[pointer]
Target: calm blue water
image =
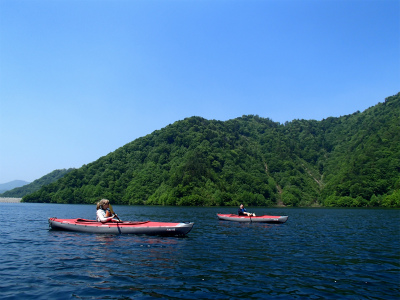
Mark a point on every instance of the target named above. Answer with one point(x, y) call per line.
point(316, 254)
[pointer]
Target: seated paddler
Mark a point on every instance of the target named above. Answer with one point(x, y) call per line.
point(243, 212)
point(103, 213)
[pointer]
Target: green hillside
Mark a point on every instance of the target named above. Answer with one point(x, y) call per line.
point(34, 186)
point(352, 160)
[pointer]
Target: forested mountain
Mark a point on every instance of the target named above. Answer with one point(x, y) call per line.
point(34, 186)
point(352, 160)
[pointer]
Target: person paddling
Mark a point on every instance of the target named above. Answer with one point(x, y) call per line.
point(243, 212)
point(103, 213)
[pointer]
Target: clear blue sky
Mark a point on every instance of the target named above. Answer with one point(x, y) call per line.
point(81, 78)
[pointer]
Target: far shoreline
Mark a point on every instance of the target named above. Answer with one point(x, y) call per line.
point(10, 200)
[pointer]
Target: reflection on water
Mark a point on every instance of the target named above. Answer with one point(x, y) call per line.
point(317, 254)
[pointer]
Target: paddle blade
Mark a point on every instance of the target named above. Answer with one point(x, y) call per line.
point(111, 209)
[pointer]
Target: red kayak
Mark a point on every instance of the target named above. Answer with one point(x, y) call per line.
point(146, 227)
point(257, 219)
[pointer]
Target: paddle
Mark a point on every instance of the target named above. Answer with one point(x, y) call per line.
point(112, 211)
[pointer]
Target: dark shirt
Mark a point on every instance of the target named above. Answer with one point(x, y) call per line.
point(241, 211)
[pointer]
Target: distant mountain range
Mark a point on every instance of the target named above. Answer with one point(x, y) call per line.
point(11, 185)
point(20, 188)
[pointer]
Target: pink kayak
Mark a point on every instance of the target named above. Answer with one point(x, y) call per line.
point(259, 219)
point(146, 227)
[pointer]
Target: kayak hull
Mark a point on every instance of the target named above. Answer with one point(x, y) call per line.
point(258, 219)
point(146, 227)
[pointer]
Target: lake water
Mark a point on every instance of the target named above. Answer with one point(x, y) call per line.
point(317, 254)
